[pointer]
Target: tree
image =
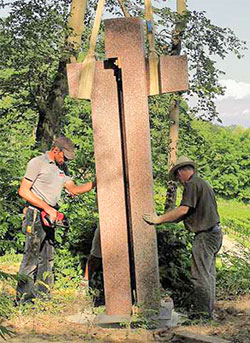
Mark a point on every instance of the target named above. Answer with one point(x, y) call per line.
point(34, 46)
point(34, 58)
point(35, 106)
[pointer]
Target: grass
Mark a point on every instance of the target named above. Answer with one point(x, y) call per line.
point(235, 220)
point(11, 257)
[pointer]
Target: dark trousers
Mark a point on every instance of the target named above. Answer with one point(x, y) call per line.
point(203, 270)
point(36, 276)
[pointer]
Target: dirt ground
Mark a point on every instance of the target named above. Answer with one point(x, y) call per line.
point(41, 325)
point(232, 323)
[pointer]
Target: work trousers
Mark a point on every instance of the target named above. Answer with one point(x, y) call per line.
point(36, 276)
point(203, 270)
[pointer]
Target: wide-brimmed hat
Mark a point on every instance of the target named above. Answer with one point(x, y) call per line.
point(67, 147)
point(181, 162)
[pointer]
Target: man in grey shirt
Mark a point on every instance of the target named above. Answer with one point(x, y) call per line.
point(41, 187)
point(198, 210)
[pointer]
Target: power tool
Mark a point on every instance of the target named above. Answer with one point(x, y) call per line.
point(61, 220)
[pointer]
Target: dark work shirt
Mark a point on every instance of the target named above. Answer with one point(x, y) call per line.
point(199, 196)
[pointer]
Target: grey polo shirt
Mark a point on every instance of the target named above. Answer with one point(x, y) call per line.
point(47, 179)
point(199, 196)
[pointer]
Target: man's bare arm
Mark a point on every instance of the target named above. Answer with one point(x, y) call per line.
point(74, 189)
point(168, 217)
point(25, 193)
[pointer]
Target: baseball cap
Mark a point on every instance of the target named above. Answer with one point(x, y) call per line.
point(67, 147)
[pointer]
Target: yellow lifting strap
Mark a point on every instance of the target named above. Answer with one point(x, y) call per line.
point(153, 59)
point(124, 10)
point(88, 65)
point(75, 23)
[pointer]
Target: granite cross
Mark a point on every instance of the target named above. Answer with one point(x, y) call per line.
point(123, 162)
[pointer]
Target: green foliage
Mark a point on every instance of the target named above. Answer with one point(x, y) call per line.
point(17, 147)
point(32, 40)
point(6, 305)
point(6, 276)
point(233, 276)
point(235, 220)
point(233, 208)
point(201, 40)
point(67, 270)
point(174, 251)
point(222, 157)
point(5, 332)
point(6, 302)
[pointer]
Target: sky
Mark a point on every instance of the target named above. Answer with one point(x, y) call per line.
point(234, 106)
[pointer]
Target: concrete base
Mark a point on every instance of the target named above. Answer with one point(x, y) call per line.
point(109, 321)
point(175, 320)
point(167, 318)
point(85, 317)
point(166, 309)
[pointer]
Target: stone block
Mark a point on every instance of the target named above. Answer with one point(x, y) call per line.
point(125, 39)
point(173, 74)
point(111, 197)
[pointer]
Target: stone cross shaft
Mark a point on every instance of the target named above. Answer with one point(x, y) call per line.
point(123, 162)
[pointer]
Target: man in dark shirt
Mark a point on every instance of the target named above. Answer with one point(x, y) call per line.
point(198, 210)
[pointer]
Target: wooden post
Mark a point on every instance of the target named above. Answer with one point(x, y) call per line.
point(181, 6)
point(173, 132)
point(174, 109)
point(124, 10)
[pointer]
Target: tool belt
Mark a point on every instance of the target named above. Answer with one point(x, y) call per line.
point(30, 215)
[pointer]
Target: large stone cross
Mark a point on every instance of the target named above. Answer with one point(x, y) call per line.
point(123, 162)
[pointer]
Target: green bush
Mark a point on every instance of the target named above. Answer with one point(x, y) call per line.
point(67, 270)
point(233, 275)
point(6, 305)
point(174, 249)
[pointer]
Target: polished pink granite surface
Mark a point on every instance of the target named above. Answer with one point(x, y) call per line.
point(111, 197)
point(124, 39)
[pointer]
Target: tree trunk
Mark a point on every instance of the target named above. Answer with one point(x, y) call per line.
point(52, 109)
point(174, 114)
